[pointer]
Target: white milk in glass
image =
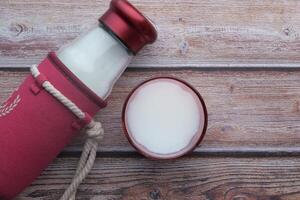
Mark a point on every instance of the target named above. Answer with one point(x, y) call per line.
point(97, 59)
point(164, 116)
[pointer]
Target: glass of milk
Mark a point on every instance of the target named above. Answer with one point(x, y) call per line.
point(164, 118)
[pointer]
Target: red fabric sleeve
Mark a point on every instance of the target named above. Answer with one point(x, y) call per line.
point(35, 127)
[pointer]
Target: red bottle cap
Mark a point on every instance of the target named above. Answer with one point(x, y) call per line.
point(129, 25)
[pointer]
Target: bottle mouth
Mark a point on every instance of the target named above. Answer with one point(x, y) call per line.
point(143, 146)
point(133, 28)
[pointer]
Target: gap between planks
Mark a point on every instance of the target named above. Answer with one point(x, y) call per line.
point(206, 68)
point(199, 152)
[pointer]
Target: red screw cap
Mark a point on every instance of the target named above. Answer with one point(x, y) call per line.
point(129, 25)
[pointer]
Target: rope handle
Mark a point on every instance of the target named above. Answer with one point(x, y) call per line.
point(94, 132)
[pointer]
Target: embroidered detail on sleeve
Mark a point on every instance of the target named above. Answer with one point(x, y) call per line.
point(9, 107)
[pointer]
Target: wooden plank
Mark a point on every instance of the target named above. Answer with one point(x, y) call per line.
point(182, 179)
point(249, 111)
point(222, 33)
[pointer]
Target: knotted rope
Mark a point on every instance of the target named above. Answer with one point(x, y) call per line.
point(94, 132)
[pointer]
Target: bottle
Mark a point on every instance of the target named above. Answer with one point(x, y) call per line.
point(99, 57)
point(34, 126)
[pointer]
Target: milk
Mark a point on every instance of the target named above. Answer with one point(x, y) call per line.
point(97, 59)
point(164, 116)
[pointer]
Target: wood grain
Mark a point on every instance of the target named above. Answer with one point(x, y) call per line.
point(249, 111)
point(253, 114)
point(183, 179)
point(222, 33)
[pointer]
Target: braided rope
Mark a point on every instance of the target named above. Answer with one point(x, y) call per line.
point(94, 131)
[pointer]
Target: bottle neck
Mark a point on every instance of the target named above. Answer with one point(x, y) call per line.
point(97, 58)
point(112, 34)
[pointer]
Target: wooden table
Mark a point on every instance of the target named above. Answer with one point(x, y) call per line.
point(242, 56)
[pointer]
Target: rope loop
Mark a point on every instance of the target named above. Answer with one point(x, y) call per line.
point(94, 132)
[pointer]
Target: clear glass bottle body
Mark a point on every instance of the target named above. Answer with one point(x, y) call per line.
point(97, 58)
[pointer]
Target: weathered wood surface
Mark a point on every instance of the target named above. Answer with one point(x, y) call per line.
point(182, 179)
point(249, 111)
point(252, 113)
point(222, 33)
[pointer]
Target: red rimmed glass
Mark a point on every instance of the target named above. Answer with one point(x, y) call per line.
point(195, 141)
